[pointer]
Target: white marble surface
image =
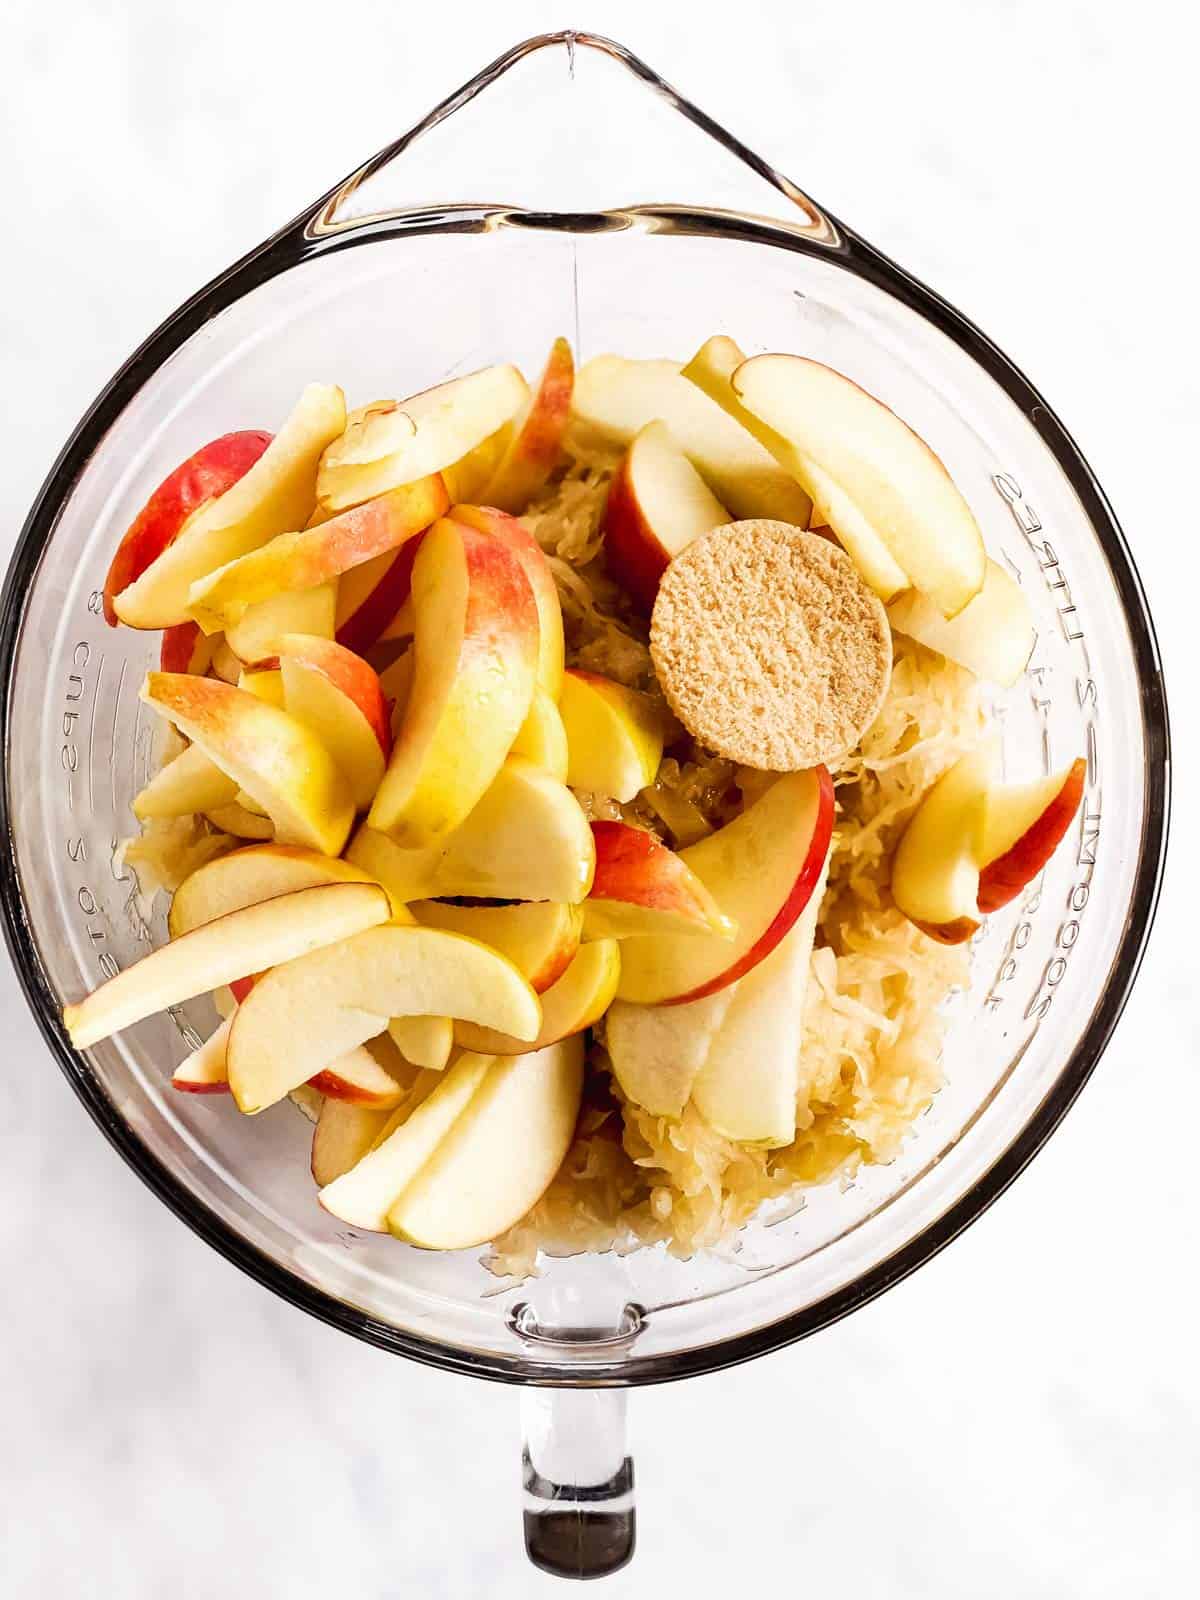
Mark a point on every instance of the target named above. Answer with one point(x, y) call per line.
point(1020, 1419)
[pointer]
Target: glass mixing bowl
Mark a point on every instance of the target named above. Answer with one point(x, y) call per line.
point(534, 202)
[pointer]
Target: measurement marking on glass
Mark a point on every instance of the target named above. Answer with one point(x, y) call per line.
point(112, 765)
point(91, 758)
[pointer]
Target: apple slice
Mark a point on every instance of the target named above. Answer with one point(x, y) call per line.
point(225, 949)
point(343, 1135)
point(1023, 825)
point(536, 444)
point(274, 495)
point(364, 1194)
point(746, 1088)
point(656, 1051)
point(240, 823)
point(614, 736)
point(264, 683)
point(225, 665)
point(336, 694)
point(302, 1015)
point(540, 939)
point(371, 595)
point(448, 422)
point(615, 398)
point(657, 505)
point(255, 635)
point(395, 682)
point(313, 556)
point(186, 648)
point(465, 480)
point(711, 369)
point(474, 660)
point(372, 432)
point(203, 477)
point(272, 756)
point(542, 738)
point(580, 997)
point(761, 869)
point(471, 1188)
point(205, 1071)
point(529, 553)
point(527, 839)
point(992, 636)
point(359, 1077)
point(191, 782)
point(885, 470)
point(935, 868)
point(425, 1041)
point(641, 888)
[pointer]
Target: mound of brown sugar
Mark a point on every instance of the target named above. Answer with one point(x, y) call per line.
point(769, 647)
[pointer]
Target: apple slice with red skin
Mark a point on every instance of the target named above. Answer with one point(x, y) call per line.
point(580, 997)
point(657, 505)
point(206, 1070)
point(475, 657)
point(186, 648)
point(536, 443)
point(337, 695)
point(274, 495)
point(518, 539)
point(312, 556)
point(1023, 826)
point(641, 887)
point(972, 845)
point(204, 476)
point(761, 869)
point(360, 1078)
point(370, 596)
point(279, 762)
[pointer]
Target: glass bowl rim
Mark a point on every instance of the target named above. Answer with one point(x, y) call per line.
point(291, 246)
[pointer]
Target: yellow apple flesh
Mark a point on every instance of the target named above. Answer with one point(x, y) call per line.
point(542, 738)
point(885, 470)
point(343, 1135)
point(500, 1154)
point(711, 369)
point(615, 398)
point(614, 736)
point(425, 1041)
point(539, 938)
point(365, 1194)
point(992, 636)
point(226, 949)
point(448, 422)
point(276, 494)
point(935, 868)
point(313, 556)
point(338, 696)
point(580, 997)
point(191, 782)
point(274, 758)
point(302, 1015)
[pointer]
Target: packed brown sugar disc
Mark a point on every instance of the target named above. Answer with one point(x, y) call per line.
point(769, 647)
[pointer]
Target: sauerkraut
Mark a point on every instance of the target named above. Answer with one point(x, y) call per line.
point(875, 1004)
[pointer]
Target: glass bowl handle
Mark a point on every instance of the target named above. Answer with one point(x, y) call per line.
point(579, 1513)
